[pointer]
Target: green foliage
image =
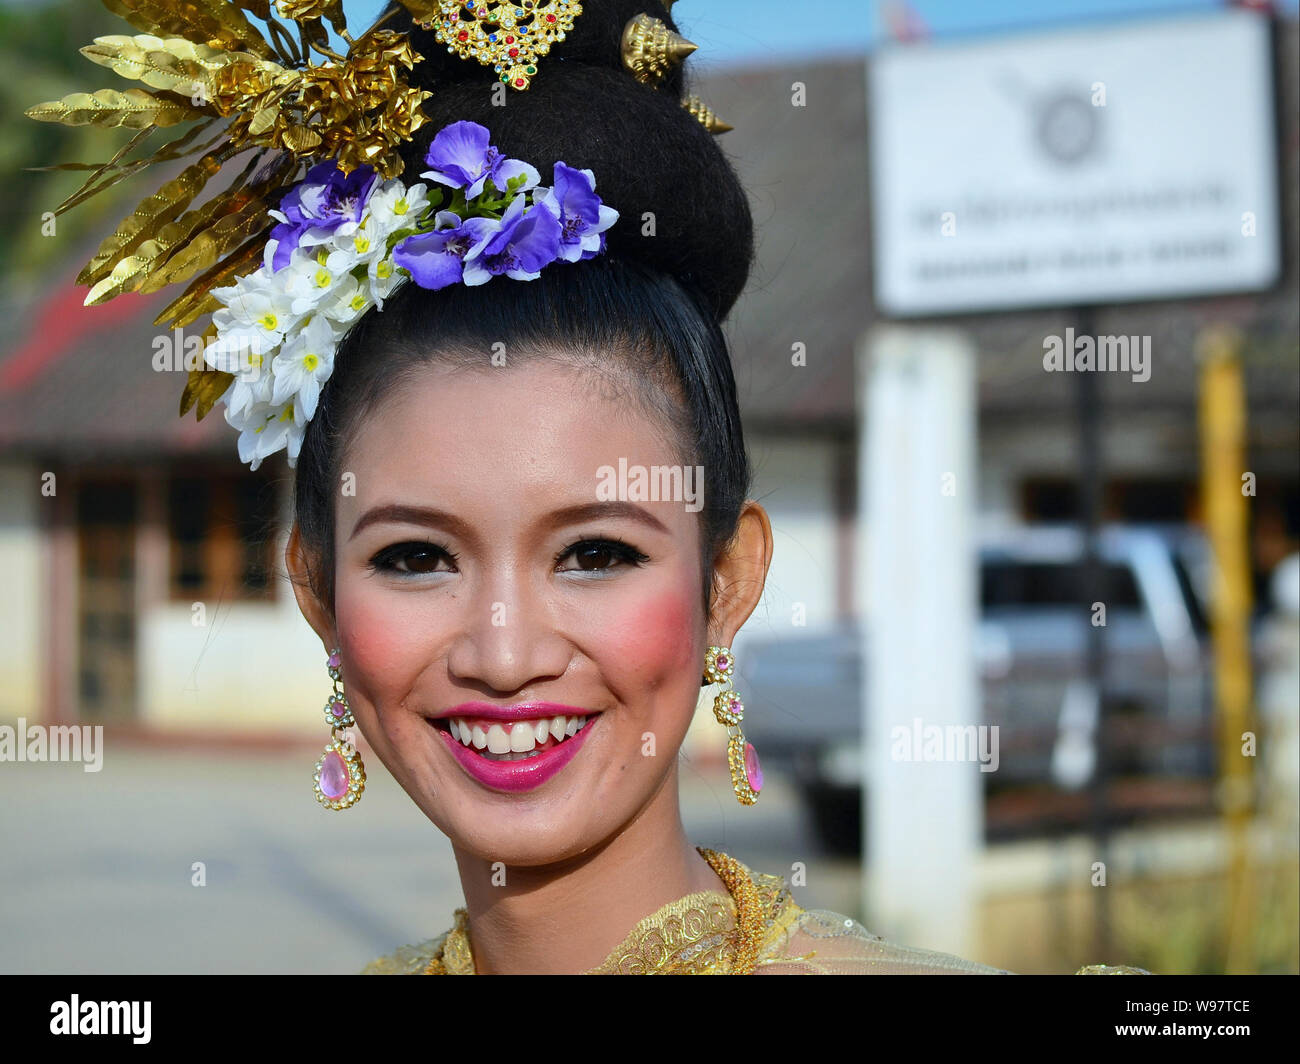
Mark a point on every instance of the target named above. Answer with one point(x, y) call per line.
point(39, 61)
point(1177, 926)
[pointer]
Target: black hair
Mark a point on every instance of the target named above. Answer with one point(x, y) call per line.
point(648, 309)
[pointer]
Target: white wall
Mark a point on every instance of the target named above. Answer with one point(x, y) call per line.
point(250, 666)
point(22, 617)
point(794, 482)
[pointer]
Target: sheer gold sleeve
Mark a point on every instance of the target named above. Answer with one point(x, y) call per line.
point(407, 960)
point(818, 942)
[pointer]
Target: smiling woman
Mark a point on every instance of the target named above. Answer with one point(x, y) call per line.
point(523, 651)
point(522, 528)
point(508, 645)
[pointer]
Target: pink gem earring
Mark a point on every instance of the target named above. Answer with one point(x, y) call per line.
point(742, 758)
point(340, 776)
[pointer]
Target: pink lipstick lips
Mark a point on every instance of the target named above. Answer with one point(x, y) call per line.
point(504, 751)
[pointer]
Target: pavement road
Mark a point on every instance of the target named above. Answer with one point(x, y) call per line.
point(96, 869)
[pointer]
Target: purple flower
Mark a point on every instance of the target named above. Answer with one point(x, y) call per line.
point(436, 259)
point(525, 242)
point(583, 218)
point(462, 158)
point(325, 202)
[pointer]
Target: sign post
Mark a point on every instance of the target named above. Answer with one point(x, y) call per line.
point(1072, 169)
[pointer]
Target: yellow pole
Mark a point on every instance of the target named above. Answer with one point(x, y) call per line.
point(1225, 487)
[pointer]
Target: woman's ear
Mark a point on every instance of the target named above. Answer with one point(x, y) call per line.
point(739, 574)
point(299, 565)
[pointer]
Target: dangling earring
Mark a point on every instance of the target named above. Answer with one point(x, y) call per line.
point(340, 776)
point(742, 758)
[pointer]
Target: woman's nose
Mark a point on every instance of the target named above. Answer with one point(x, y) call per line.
point(507, 637)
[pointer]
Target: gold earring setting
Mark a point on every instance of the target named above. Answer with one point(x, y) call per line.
point(742, 758)
point(340, 776)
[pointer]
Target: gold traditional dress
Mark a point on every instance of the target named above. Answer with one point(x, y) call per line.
point(698, 935)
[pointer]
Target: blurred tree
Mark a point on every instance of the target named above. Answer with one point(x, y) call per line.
point(40, 61)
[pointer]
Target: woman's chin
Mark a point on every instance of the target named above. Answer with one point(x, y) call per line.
point(523, 844)
point(502, 827)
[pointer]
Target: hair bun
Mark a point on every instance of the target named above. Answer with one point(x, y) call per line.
point(682, 208)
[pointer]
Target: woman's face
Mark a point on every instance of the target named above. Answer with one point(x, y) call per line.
point(477, 562)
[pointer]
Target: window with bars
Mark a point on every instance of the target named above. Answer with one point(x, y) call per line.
point(222, 529)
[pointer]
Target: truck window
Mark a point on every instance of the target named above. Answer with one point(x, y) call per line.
point(1195, 611)
point(1009, 585)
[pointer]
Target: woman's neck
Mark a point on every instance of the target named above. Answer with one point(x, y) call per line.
point(566, 918)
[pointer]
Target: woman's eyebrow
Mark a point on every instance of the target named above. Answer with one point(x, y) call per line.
point(594, 511)
point(398, 513)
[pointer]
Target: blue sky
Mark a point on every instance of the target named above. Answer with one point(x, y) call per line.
point(750, 31)
point(756, 31)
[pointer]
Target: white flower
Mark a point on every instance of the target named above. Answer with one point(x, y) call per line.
point(268, 254)
point(231, 353)
point(383, 277)
point(257, 311)
point(348, 301)
point(358, 248)
point(266, 429)
point(391, 208)
point(293, 443)
point(394, 206)
point(309, 279)
point(245, 395)
point(303, 365)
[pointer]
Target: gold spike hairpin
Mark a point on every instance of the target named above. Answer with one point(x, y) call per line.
point(650, 48)
point(704, 113)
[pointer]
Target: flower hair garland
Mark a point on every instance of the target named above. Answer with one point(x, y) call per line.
point(344, 242)
point(285, 263)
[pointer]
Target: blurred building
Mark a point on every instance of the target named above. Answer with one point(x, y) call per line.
point(142, 562)
point(812, 286)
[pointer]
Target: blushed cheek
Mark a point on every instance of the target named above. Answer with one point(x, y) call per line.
point(381, 651)
point(651, 641)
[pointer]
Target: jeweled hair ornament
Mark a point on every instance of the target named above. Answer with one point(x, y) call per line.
point(317, 227)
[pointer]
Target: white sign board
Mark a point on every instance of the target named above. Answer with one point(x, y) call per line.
point(1125, 162)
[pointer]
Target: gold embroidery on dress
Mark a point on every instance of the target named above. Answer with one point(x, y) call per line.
point(694, 935)
point(698, 934)
point(456, 956)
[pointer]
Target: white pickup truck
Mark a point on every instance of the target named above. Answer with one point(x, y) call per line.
point(803, 693)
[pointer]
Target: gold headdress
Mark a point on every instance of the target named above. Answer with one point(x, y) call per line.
point(285, 99)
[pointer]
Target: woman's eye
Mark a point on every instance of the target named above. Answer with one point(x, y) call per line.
point(410, 558)
point(597, 555)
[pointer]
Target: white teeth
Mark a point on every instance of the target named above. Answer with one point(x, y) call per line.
point(513, 756)
point(523, 737)
point(498, 742)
